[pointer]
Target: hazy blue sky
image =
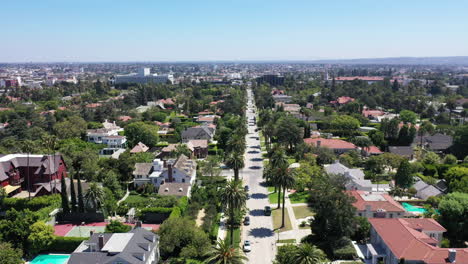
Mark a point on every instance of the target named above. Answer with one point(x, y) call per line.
point(172, 30)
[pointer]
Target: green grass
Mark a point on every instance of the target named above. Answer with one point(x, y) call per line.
point(286, 241)
point(302, 211)
point(237, 237)
point(299, 197)
point(276, 214)
point(273, 196)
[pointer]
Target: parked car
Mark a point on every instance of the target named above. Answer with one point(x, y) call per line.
point(267, 210)
point(247, 220)
point(246, 188)
point(247, 247)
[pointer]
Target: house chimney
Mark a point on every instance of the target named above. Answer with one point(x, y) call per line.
point(100, 242)
point(452, 255)
point(319, 143)
point(169, 172)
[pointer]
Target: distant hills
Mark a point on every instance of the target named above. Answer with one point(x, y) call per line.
point(458, 60)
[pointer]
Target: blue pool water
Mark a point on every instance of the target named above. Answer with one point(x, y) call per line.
point(411, 208)
point(50, 259)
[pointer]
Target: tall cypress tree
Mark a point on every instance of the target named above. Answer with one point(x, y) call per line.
point(80, 197)
point(72, 194)
point(403, 177)
point(64, 196)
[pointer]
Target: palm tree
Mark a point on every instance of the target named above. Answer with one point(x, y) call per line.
point(363, 142)
point(235, 161)
point(285, 179)
point(233, 198)
point(278, 159)
point(225, 254)
point(94, 195)
point(308, 254)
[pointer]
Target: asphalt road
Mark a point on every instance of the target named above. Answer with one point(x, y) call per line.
point(260, 231)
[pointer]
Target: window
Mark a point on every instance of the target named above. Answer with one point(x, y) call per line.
point(391, 215)
point(360, 214)
point(183, 180)
point(375, 215)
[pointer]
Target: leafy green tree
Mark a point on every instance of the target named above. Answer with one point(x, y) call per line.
point(117, 227)
point(41, 237)
point(453, 210)
point(288, 132)
point(142, 132)
point(235, 161)
point(431, 158)
point(224, 253)
point(285, 253)
point(180, 236)
point(334, 212)
point(15, 227)
point(450, 159)
point(408, 116)
point(304, 175)
point(460, 141)
point(94, 196)
point(457, 178)
point(210, 166)
point(403, 177)
point(73, 126)
point(362, 230)
point(346, 125)
point(10, 255)
point(111, 181)
point(64, 196)
point(233, 199)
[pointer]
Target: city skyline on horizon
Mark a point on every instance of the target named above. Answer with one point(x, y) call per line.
point(56, 31)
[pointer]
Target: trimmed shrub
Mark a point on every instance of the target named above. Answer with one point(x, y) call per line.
point(65, 244)
point(175, 213)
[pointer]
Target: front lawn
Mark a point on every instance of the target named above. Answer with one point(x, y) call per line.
point(302, 211)
point(299, 197)
point(276, 214)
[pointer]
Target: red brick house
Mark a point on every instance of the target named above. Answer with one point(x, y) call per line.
point(38, 173)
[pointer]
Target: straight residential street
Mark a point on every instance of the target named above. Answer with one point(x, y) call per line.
point(260, 231)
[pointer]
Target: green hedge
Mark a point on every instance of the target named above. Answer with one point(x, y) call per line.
point(182, 204)
point(175, 213)
point(345, 253)
point(34, 204)
point(65, 244)
point(162, 210)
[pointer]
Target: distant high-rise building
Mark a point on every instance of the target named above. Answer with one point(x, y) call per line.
point(144, 76)
point(272, 79)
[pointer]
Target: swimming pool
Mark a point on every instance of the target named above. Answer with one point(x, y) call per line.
point(411, 208)
point(51, 259)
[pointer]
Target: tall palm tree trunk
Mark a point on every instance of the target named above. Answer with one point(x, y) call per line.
point(279, 196)
point(236, 174)
point(231, 225)
point(282, 214)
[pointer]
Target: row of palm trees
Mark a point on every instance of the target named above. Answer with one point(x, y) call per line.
point(279, 175)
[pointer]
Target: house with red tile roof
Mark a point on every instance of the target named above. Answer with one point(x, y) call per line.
point(124, 118)
point(342, 100)
point(369, 113)
point(376, 205)
point(337, 145)
point(372, 150)
point(416, 240)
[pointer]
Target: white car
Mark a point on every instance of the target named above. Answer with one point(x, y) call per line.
point(247, 247)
